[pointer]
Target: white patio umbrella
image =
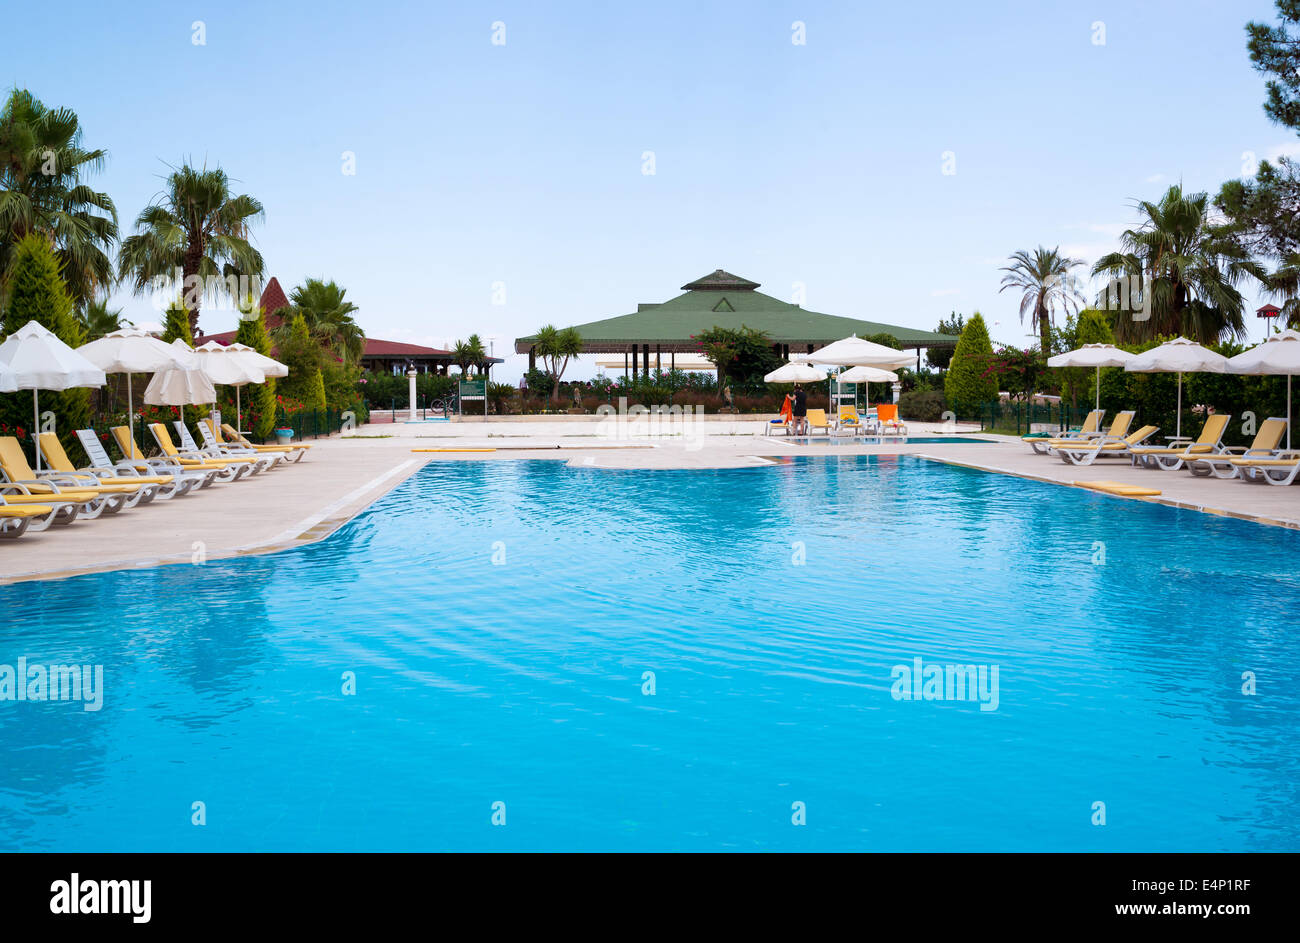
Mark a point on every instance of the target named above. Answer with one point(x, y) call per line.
point(8, 382)
point(228, 366)
point(853, 351)
point(795, 372)
point(1092, 355)
point(1278, 355)
point(183, 385)
point(236, 360)
point(868, 376)
point(1178, 356)
point(38, 360)
point(132, 350)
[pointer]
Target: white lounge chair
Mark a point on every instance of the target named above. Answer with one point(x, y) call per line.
point(1173, 457)
point(170, 485)
point(256, 463)
point(1225, 465)
point(1087, 452)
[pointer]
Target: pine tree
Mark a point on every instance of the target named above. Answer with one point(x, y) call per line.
point(176, 324)
point(261, 399)
point(37, 292)
point(965, 385)
point(302, 354)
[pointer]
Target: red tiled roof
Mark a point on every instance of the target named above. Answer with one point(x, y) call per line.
point(272, 299)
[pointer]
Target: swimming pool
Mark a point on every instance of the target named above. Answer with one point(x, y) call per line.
point(500, 619)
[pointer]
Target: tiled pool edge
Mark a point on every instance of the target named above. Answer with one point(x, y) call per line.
point(1152, 499)
point(310, 530)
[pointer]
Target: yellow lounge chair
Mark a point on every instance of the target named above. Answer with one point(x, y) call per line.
point(1274, 471)
point(234, 467)
point(1224, 464)
point(231, 434)
point(16, 519)
point(1118, 430)
point(1172, 458)
point(1087, 452)
point(1090, 427)
point(816, 419)
point(173, 483)
point(103, 499)
point(57, 460)
point(132, 455)
point(850, 420)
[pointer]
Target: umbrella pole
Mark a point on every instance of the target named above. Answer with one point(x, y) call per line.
point(1288, 412)
point(239, 416)
point(130, 410)
point(1178, 423)
point(36, 426)
point(1096, 388)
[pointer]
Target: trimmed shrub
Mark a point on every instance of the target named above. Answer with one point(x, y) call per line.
point(966, 386)
point(922, 405)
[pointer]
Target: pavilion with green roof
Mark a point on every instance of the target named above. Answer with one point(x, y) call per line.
point(728, 301)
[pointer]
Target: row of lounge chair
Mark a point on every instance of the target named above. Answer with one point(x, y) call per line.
point(885, 421)
point(60, 493)
point(1264, 460)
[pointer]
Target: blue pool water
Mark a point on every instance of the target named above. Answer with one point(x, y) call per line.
point(521, 682)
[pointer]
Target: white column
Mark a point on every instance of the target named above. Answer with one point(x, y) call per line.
point(410, 379)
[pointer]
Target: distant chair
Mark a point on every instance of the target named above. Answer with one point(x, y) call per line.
point(887, 419)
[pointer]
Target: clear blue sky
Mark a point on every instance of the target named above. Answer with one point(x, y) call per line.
point(522, 163)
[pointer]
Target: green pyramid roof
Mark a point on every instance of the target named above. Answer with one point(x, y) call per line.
point(729, 301)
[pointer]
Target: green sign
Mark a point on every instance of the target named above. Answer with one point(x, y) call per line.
point(473, 389)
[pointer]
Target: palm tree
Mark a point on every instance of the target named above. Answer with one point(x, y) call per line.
point(198, 227)
point(42, 163)
point(463, 356)
point(556, 346)
point(477, 352)
point(1045, 281)
point(1188, 271)
point(328, 313)
point(97, 319)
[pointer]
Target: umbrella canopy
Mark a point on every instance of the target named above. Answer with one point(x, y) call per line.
point(8, 383)
point(1093, 355)
point(796, 373)
point(269, 367)
point(38, 360)
point(132, 350)
point(868, 375)
point(227, 367)
point(1279, 355)
point(853, 351)
point(187, 385)
point(1178, 356)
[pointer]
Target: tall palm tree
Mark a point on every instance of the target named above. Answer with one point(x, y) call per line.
point(328, 313)
point(98, 319)
point(1046, 281)
point(42, 190)
point(196, 226)
point(1188, 271)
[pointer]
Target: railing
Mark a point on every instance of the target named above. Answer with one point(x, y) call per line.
point(1018, 417)
point(425, 407)
point(312, 422)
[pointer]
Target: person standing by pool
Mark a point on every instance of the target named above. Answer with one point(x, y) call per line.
point(799, 409)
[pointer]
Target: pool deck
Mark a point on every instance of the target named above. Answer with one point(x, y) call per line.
point(300, 503)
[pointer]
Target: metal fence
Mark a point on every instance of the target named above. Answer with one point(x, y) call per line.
point(1020, 418)
point(312, 422)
